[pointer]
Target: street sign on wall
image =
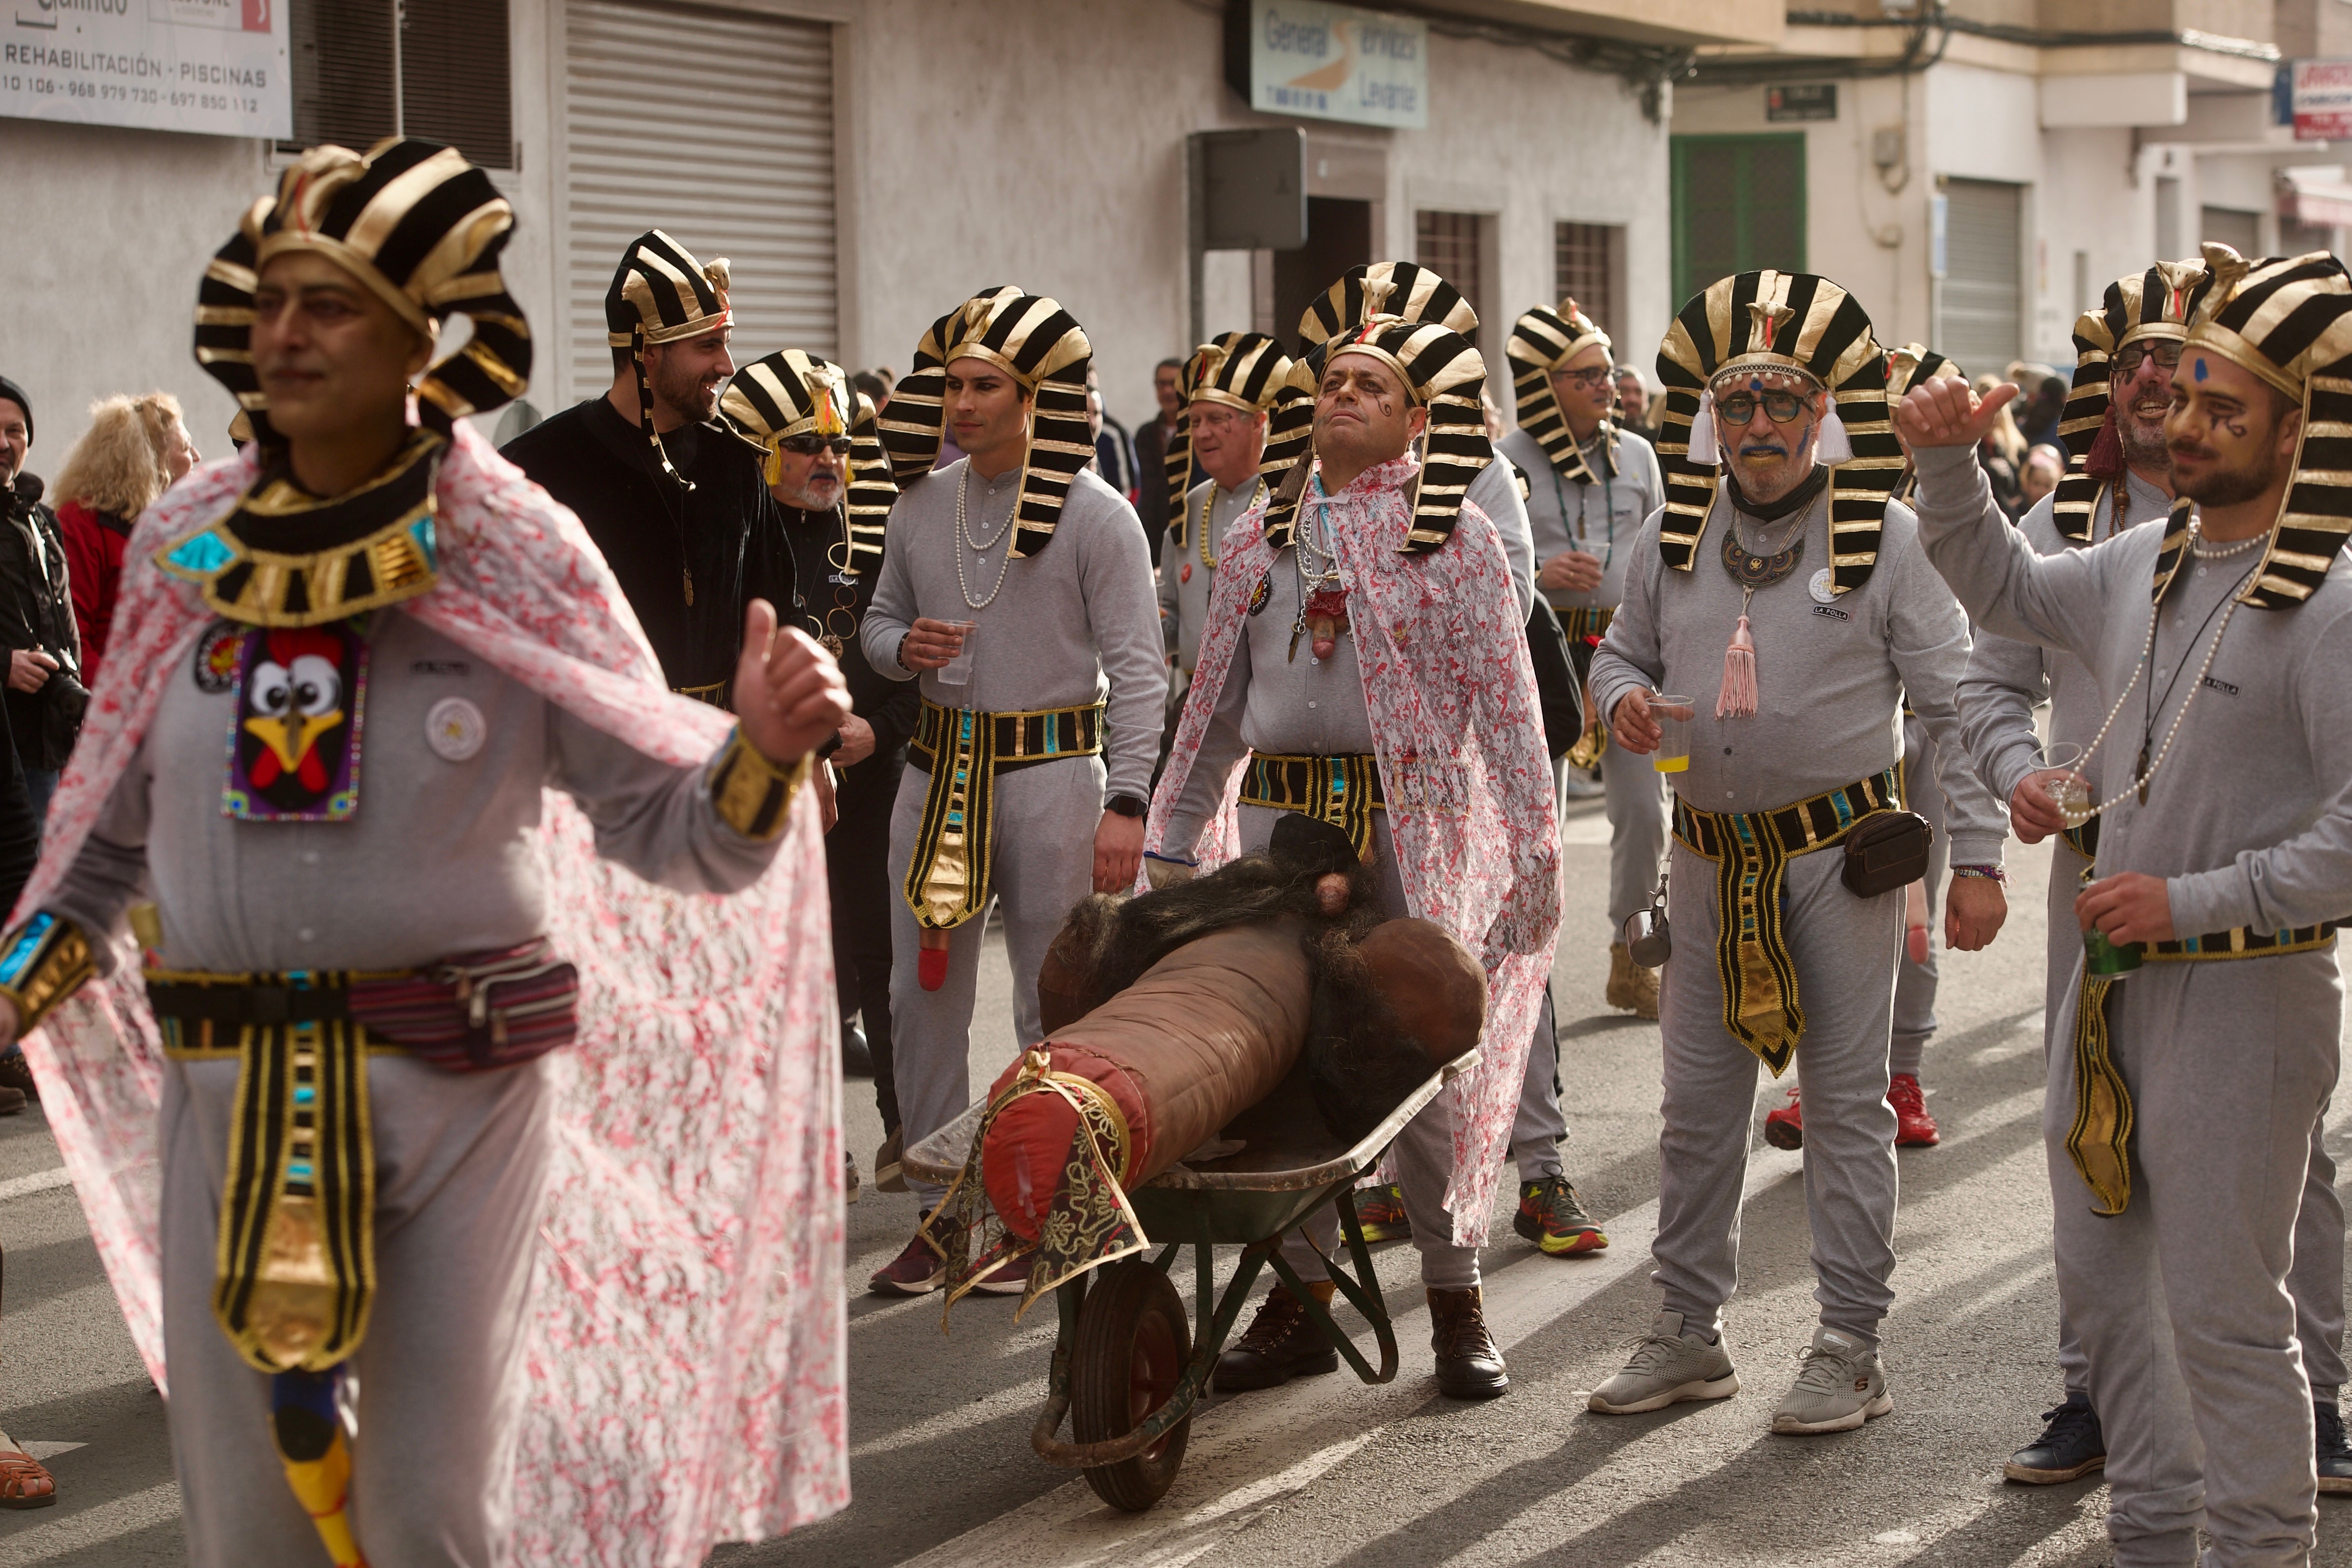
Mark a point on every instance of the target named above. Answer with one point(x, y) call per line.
point(217, 67)
point(1333, 62)
point(2323, 100)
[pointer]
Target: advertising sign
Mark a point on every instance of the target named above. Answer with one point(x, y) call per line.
point(212, 66)
point(1808, 100)
point(2323, 100)
point(1335, 62)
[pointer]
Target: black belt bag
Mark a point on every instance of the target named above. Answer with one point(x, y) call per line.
point(1886, 850)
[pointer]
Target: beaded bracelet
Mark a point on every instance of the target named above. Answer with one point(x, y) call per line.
point(1989, 873)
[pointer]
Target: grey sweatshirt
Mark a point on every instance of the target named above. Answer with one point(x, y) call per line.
point(1599, 519)
point(1185, 576)
point(2006, 678)
point(439, 857)
point(2248, 820)
point(1496, 492)
point(1072, 624)
point(1830, 676)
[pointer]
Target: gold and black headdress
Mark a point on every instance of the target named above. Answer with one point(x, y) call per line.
point(1035, 341)
point(661, 294)
point(1247, 371)
point(415, 223)
point(1541, 341)
point(2156, 303)
point(2289, 320)
point(1916, 364)
point(1786, 323)
point(789, 392)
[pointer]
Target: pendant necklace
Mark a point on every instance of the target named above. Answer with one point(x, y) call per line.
point(1752, 569)
point(963, 534)
point(1320, 592)
point(844, 599)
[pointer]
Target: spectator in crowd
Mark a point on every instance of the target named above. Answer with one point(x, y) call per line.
point(1633, 403)
point(2044, 466)
point(877, 390)
point(45, 696)
point(2002, 453)
point(1114, 452)
point(135, 450)
point(1152, 454)
point(2042, 400)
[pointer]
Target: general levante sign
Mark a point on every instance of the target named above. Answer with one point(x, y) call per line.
point(1335, 62)
point(212, 66)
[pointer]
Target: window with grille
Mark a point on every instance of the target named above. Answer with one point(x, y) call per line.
point(366, 69)
point(1587, 258)
point(1449, 243)
point(1739, 205)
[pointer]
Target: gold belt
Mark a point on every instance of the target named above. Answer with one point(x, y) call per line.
point(1343, 790)
point(1585, 621)
point(2098, 1140)
point(715, 693)
point(1751, 851)
point(963, 750)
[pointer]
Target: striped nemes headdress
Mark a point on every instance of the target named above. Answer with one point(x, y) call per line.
point(1404, 289)
point(2289, 320)
point(792, 393)
point(1247, 371)
point(1541, 341)
point(1786, 323)
point(1035, 341)
point(2156, 303)
point(1914, 364)
point(661, 294)
point(1445, 374)
point(415, 223)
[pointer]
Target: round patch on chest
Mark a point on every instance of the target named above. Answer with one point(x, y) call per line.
point(216, 656)
point(456, 729)
point(1822, 588)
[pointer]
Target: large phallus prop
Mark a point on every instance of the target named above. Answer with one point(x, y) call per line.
point(1168, 1014)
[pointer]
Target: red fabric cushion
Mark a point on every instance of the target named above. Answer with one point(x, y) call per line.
point(1029, 1142)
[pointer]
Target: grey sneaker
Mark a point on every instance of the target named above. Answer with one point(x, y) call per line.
point(1668, 1366)
point(1839, 1386)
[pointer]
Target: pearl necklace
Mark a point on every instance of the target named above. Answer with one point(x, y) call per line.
point(964, 532)
point(2197, 545)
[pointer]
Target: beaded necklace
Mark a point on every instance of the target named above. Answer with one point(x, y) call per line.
point(964, 534)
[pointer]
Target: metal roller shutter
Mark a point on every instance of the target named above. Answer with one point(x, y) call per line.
point(1983, 313)
point(717, 129)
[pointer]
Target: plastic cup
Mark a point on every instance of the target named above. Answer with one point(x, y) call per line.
point(1674, 715)
point(2109, 960)
point(957, 671)
point(2071, 794)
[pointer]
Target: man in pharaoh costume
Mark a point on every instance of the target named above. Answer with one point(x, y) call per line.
point(1592, 485)
point(1017, 590)
point(1790, 848)
point(1364, 662)
point(2195, 1047)
point(671, 495)
point(831, 482)
point(385, 1241)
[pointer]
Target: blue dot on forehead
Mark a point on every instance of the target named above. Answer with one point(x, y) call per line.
point(2200, 372)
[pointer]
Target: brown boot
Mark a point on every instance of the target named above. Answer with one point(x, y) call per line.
point(1469, 1361)
point(1630, 986)
point(1282, 1342)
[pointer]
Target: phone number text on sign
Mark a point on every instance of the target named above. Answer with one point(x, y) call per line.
point(156, 70)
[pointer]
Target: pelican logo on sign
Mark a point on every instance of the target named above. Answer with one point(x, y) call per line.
point(1335, 62)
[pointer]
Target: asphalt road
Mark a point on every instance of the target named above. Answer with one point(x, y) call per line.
point(1328, 1470)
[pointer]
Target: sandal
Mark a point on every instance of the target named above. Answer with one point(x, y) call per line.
point(19, 1472)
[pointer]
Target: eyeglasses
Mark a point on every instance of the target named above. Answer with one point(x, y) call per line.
point(810, 446)
point(1220, 419)
point(1588, 380)
point(2166, 356)
point(1736, 408)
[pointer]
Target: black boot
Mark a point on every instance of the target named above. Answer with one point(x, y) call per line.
point(1282, 1342)
point(857, 1056)
point(2334, 1454)
point(2070, 1447)
point(1469, 1361)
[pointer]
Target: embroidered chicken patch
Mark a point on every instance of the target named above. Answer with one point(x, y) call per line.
point(294, 752)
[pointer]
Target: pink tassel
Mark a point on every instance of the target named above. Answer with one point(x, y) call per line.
point(2105, 459)
point(1738, 698)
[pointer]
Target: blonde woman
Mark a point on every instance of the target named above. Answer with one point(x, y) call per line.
point(135, 450)
point(2002, 453)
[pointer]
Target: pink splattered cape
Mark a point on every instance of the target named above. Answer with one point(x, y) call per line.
point(686, 1360)
point(1469, 788)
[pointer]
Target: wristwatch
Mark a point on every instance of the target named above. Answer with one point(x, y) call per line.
point(1126, 806)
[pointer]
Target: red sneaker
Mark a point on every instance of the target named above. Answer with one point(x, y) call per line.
point(1008, 1278)
point(1914, 1128)
point(917, 1271)
point(1785, 1128)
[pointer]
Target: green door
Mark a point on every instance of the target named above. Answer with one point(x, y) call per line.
point(1739, 204)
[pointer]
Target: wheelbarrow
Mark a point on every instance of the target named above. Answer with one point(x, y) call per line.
point(1126, 1368)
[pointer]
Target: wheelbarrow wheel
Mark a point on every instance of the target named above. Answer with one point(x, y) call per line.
point(1129, 1361)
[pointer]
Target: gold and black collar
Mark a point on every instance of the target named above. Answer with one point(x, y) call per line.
point(283, 557)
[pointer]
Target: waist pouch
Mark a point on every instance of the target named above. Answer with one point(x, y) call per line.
point(1885, 851)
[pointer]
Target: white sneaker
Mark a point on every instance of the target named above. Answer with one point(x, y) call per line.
point(1839, 1386)
point(1668, 1366)
point(1582, 786)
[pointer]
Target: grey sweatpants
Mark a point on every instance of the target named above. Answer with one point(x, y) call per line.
point(1844, 950)
point(1047, 818)
point(1635, 802)
point(461, 1168)
point(2230, 1065)
point(2316, 1278)
point(1914, 984)
point(1538, 1128)
point(1423, 1154)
